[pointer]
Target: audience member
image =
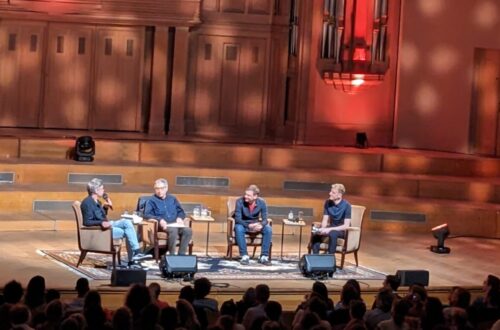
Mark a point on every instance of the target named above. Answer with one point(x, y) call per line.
point(81, 287)
point(13, 292)
point(382, 310)
point(122, 319)
point(169, 318)
point(248, 300)
point(400, 308)
point(202, 287)
point(155, 290)
point(20, 317)
point(262, 294)
point(187, 316)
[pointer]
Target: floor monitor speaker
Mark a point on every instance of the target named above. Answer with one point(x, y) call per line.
point(410, 277)
point(179, 266)
point(126, 277)
point(317, 265)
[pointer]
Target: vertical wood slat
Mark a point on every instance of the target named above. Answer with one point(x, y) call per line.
point(118, 90)
point(68, 79)
point(20, 73)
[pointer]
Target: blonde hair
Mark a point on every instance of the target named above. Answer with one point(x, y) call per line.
point(339, 187)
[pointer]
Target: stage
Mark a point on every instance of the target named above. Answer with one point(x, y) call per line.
point(470, 261)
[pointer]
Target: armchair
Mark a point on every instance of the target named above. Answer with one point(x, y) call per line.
point(95, 239)
point(253, 239)
point(352, 240)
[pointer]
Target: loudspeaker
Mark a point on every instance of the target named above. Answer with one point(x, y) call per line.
point(410, 277)
point(317, 265)
point(126, 277)
point(178, 266)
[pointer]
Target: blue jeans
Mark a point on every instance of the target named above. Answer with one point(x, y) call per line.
point(124, 228)
point(332, 241)
point(267, 234)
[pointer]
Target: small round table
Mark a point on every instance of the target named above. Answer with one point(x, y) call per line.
point(286, 222)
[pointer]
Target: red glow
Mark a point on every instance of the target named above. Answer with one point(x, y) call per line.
point(359, 54)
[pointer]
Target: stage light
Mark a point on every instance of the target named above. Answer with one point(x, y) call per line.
point(361, 140)
point(84, 149)
point(440, 232)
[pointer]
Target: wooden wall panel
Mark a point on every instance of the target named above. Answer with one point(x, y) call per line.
point(21, 53)
point(232, 6)
point(208, 81)
point(228, 111)
point(252, 85)
point(230, 85)
point(210, 5)
point(261, 7)
point(118, 94)
point(68, 80)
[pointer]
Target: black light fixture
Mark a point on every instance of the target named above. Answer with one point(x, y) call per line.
point(361, 140)
point(84, 149)
point(440, 232)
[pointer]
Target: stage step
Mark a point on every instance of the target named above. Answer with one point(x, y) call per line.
point(366, 184)
point(203, 155)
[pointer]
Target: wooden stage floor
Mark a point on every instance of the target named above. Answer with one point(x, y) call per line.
point(470, 261)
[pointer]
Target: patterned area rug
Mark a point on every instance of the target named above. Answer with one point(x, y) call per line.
point(98, 266)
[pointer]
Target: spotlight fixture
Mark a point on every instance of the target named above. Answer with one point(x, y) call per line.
point(440, 232)
point(84, 149)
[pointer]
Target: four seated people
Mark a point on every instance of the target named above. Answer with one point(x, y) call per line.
point(250, 218)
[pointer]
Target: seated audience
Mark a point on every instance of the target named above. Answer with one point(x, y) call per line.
point(262, 294)
point(382, 310)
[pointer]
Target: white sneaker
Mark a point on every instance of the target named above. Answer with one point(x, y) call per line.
point(245, 260)
point(264, 260)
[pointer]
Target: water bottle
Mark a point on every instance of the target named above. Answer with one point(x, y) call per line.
point(290, 215)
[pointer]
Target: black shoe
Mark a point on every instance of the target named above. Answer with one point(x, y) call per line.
point(141, 256)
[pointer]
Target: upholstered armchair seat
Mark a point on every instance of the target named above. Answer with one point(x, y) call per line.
point(95, 239)
point(352, 240)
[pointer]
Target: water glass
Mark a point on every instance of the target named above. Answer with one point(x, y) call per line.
point(204, 212)
point(196, 211)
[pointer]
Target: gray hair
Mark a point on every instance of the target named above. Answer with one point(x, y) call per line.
point(162, 181)
point(339, 187)
point(93, 185)
point(254, 189)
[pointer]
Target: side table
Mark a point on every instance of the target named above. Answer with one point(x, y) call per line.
point(207, 219)
point(301, 224)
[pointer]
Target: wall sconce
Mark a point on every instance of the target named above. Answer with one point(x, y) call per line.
point(353, 44)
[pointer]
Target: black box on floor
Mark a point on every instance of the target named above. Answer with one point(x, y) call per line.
point(317, 264)
point(410, 277)
point(178, 266)
point(126, 276)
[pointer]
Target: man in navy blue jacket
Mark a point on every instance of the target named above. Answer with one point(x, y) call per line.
point(95, 214)
point(167, 210)
point(249, 209)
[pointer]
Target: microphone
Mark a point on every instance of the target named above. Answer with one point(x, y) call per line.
point(105, 196)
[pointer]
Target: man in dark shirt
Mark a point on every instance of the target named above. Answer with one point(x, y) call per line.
point(336, 218)
point(167, 210)
point(248, 210)
point(95, 214)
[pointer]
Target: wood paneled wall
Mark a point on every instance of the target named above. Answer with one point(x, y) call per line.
point(79, 76)
point(21, 59)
